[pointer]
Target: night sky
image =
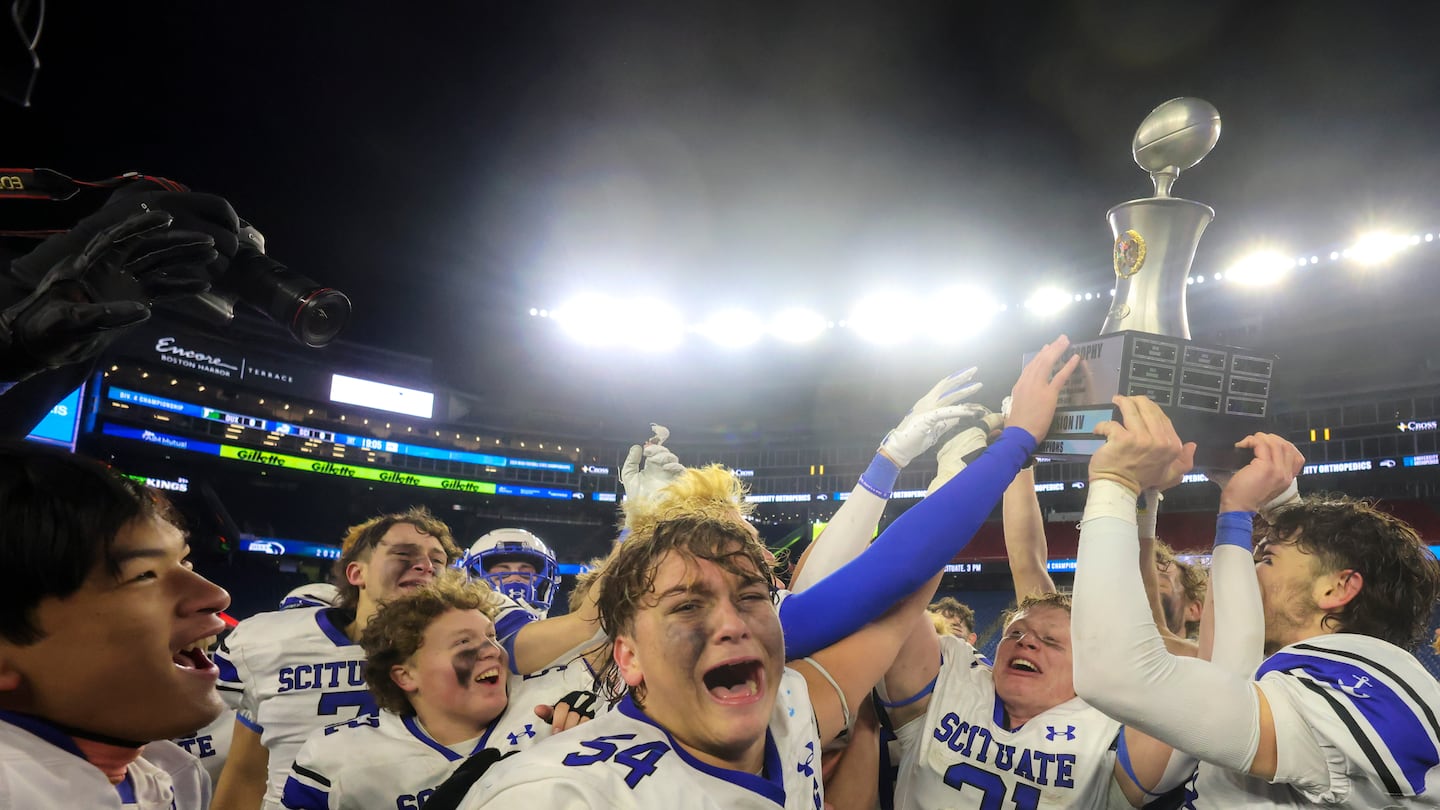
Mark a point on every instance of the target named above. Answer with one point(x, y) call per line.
point(450, 165)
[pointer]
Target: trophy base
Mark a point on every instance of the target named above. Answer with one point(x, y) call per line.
point(1214, 435)
point(1215, 395)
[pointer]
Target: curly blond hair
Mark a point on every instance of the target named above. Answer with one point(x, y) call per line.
point(700, 515)
point(709, 491)
point(397, 630)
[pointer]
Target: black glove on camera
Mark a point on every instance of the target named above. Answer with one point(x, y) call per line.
point(81, 304)
point(167, 271)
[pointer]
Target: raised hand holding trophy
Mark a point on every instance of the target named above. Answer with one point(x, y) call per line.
point(1215, 395)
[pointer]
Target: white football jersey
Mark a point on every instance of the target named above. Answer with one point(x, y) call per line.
point(295, 672)
point(1364, 707)
point(211, 744)
point(623, 760)
point(390, 761)
point(960, 755)
point(40, 766)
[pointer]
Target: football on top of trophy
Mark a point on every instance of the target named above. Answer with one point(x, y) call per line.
point(1174, 137)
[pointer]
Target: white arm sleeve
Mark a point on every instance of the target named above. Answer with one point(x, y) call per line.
point(1121, 665)
point(1239, 627)
point(847, 534)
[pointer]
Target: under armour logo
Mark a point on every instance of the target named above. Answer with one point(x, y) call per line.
point(528, 732)
point(807, 767)
point(1051, 733)
point(1353, 690)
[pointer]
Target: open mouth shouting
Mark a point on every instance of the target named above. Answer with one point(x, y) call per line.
point(736, 683)
point(490, 676)
point(192, 657)
point(1025, 666)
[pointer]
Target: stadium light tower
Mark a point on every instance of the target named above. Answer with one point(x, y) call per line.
point(1260, 268)
point(797, 325)
point(958, 312)
point(732, 328)
point(1047, 301)
point(886, 318)
point(1376, 247)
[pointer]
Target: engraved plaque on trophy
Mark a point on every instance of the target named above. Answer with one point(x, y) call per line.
point(1215, 395)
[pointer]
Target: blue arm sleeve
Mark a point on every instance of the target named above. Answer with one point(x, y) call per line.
point(907, 554)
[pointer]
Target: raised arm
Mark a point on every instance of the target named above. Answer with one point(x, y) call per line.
point(853, 525)
point(1025, 544)
point(922, 540)
point(1121, 665)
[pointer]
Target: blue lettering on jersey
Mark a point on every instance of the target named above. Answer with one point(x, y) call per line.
point(198, 746)
point(413, 801)
point(640, 759)
point(1032, 765)
point(331, 675)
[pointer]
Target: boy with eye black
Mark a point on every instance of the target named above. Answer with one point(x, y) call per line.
point(292, 672)
point(441, 678)
point(100, 640)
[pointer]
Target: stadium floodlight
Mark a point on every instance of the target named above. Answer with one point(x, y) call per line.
point(592, 318)
point(1376, 247)
point(1260, 268)
point(1047, 301)
point(732, 328)
point(657, 326)
point(885, 318)
point(959, 312)
point(797, 325)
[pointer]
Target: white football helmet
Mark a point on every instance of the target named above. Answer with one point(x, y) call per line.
point(515, 545)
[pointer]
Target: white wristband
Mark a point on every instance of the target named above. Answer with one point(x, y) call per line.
point(1110, 499)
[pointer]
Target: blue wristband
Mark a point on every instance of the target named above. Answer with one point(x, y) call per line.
point(879, 478)
point(1235, 529)
point(911, 550)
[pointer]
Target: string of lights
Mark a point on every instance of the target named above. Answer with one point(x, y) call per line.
point(894, 317)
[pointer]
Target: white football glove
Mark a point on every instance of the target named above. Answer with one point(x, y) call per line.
point(649, 468)
point(932, 417)
point(966, 444)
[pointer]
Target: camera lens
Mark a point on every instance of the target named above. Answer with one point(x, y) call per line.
point(319, 317)
point(315, 315)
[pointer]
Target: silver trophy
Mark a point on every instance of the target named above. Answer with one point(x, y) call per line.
point(1156, 237)
point(1215, 395)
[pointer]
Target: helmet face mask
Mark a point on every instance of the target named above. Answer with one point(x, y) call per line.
point(535, 590)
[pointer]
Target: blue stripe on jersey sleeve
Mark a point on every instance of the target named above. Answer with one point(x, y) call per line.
point(250, 724)
point(1393, 721)
point(228, 673)
point(304, 797)
point(511, 621)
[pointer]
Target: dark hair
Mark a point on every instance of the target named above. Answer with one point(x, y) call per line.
point(952, 608)
point(59, 516)
point(361, 538)
point(1400, 576)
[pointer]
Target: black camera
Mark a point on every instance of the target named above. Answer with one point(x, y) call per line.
point(314, 314)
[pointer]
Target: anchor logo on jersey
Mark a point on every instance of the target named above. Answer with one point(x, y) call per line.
point(1353, 690)
point(1051, 734)
point(529, 731)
